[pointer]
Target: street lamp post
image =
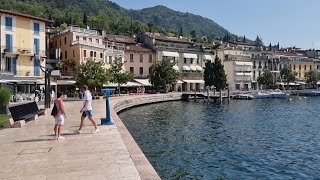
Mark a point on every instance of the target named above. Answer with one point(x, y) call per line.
point(47, 75)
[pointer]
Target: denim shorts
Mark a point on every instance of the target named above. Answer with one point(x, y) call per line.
point(87, 113)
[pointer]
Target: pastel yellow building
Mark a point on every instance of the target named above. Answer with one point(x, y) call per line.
point(23, 42)
point(301, 68)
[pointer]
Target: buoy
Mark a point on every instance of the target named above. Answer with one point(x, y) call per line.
point(299, 98)
point(305, 97)
point(290, 99)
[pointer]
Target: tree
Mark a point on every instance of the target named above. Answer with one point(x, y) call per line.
point(220, 78)
point(244, 39)
point(312, 78)
point(288, 74)
point(193, 34)
point(163, 75)
point(85, 19)
point(92, 74)
point(278, 46)
point(119, 76)
point(270, 47)
point(181, 32)
point(208, 74)
point(266, 78)
point(150, 25)
point(258, 42)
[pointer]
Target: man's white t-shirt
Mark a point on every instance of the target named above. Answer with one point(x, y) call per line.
point(87, 97)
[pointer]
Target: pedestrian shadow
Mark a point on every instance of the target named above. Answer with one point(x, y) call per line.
point(34, 140)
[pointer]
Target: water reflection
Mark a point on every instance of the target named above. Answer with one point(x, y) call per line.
point(264, 139)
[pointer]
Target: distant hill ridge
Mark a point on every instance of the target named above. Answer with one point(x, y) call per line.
point(116, 19)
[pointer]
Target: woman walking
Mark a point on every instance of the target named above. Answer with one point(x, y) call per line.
point(59, 117)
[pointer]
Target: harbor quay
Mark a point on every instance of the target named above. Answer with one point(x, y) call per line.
point(32, 153)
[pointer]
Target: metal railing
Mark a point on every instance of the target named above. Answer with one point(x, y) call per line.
point(86, 43)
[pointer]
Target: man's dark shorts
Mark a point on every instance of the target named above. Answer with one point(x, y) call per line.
point(87, 113)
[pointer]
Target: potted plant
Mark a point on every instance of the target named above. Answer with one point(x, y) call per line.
point(5, 96)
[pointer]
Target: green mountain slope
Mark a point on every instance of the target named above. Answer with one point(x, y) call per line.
point(115, 19)
point(174, 20)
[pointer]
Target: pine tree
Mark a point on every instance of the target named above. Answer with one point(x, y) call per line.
point(258, 42)
point(270, 47)
point(220, 78)
point(181, 32)
point(278, 46)
point(244, 39)
point(85, 19)
point(208, 74)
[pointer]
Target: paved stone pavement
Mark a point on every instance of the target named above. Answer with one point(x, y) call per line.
point(31, 152)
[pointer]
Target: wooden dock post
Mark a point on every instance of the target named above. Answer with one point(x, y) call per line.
point(228, 94)
point(221, 96)
point(195, 96)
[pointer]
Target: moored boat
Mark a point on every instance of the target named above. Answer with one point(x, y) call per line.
point(243, 97)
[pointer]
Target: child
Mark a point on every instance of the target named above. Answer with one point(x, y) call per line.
point(59, 118)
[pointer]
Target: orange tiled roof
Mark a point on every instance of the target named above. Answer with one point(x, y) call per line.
point(14, 13)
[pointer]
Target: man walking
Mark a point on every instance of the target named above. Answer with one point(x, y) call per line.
point(87, 110)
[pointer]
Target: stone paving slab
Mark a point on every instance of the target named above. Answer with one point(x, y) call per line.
point(31, 152)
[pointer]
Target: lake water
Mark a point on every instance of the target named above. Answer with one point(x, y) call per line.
point(257, 139)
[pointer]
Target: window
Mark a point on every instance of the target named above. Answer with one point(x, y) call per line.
point(97, 40)
point(259, 73)
point(8, 23)
point(299, 67)
point(91, 53)
point(9, 42)
point(77, 37)
point(299, 75)
point(65, 55)
point(95, 54)
point(90, 39)
point(132, 70)
point(150, 58)
point(101, 55)
point(141, 57)
point(36, 46)
point(191, 61)
point(150, 70)
point(36, 28)
point(65, 40)
point(254, 75)
point(310, 67)
point(265, 65)
point(197, 60)
point(294, 67)
point(259, 64)
point(85, 38)
point(305, 67)
point(110, 59)
point(84, 53)
point(141, 71)
point(131, 57)
point(8, 64)
point(185, 60)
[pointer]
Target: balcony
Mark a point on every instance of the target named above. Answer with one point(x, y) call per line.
point(24, 73)
point(244, 68)
point(90, 44)
point(192, 75)
point(66, 73)
point(247, 79)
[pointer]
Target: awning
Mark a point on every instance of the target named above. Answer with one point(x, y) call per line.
point(133, 84)
point(20, 81)
point(180, 82)
point(207, 57)
point(194, 81)
point(175, 67)
point(185, 68)
point(143, 82)
point(240, 74)
point(42, 82)
point(191, 56)
point(170, 54)
point(199, 68)
point(248, 63)
point(247, 74)
point(3, 81)
point(302, 83)
point(66, 82)
point(193, 68)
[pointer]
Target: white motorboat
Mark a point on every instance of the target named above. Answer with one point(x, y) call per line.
point(260, 95)
point(243, 97)
point(279, 95)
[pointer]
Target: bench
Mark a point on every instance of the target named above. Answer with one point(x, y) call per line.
point(27, 111)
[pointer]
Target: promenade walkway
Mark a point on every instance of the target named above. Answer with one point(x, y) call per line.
point(31, 152)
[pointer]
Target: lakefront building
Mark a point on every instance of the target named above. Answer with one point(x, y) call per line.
point(22, 50)
point(188, 59)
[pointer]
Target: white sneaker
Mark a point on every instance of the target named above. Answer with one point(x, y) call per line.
point(61, 138)
point(95, 131)
point(78, 131)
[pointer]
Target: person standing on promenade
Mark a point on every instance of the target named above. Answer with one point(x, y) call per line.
point(52, 94)
point(87, 110)
point(59, 117)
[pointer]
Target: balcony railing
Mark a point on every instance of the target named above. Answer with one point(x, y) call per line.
point(192, 75)
point(66, 73)
point(23, 73)
point(243, 69)
point(248, 79)
point(86, 43)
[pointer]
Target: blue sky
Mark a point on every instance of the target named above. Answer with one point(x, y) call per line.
point(291, 22)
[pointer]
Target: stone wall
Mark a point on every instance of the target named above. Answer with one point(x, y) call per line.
point(118, 104)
